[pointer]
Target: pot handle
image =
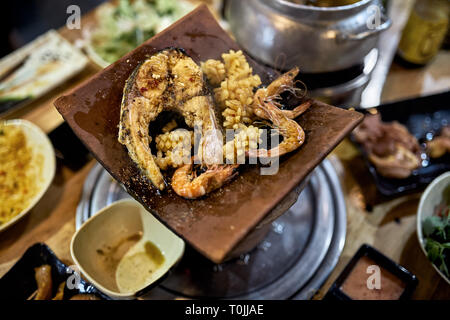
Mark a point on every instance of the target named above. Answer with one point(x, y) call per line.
point(345, 36)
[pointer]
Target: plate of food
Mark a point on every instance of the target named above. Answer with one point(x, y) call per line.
point(433, 224)
point(40, 275)
point(190, 83)
point(123, 25)
point(37, 68)
point(406, 144)
point(27, 168)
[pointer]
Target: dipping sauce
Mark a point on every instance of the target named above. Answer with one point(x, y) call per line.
point(126, 269)
point(109, 257)
point(355, 285)
point(138, 269)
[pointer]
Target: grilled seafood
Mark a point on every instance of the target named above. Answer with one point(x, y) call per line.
point(440, 145)
point(292, 132)
point(272, 95)
point(172, 81)
point(390, 147)
point(43, 276)
point(266, 106)
point(398, 165)
point(186, 183)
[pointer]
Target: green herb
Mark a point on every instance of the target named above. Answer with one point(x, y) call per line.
point(436, 230)
point(438, 254)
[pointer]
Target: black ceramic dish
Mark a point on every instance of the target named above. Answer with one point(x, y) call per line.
point(424, 117)
point(19, 282)
point(410, 280)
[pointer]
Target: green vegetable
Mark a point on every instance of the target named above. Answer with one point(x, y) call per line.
point(436, 230)
point(433, 224)
point(123, 27)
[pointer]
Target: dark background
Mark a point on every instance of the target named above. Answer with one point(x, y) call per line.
point(24, 20)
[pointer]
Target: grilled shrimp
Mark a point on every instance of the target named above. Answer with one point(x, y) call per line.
point(292, 132)
point(271, 94)
point(266, 106)
point(186, 183)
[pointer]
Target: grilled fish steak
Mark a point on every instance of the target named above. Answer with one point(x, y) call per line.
point(168, 81)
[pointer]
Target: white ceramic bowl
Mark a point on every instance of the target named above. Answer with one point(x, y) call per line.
point(40, 144)
point(109, 226)
point(431, 198)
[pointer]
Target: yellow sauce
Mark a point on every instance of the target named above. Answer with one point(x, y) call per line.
point(125, 269)
point(109, 257)
point(136, 270)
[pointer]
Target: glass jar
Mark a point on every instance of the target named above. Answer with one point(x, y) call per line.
point(425, 31)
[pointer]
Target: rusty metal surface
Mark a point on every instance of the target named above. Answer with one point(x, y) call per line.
point(214, 224)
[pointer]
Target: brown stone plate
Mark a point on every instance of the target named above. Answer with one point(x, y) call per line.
point(215, 224)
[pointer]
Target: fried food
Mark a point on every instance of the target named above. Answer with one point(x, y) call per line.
point(43, 276)
point(390, 147)
point(398, 165)
point(60, 293)
point(171, 81)
point(440, 145)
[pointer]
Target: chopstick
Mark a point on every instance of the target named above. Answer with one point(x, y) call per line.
point(33, 295)
point(9, 72)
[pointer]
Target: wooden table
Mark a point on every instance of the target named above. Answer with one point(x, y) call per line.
point(387, 224)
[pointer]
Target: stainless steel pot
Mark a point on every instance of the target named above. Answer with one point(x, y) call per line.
point(285, 34)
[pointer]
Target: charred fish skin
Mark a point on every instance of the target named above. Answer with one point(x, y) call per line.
point(168, 80)
point(137, 111)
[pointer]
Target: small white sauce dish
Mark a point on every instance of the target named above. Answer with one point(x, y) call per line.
point(43, 152)
point(429, 200)
point(99, 248)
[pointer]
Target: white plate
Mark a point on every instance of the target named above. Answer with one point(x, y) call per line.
point(36, 74)
point(41, 145)
point(431, 198)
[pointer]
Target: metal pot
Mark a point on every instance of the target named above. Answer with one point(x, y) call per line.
point(285, 34)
